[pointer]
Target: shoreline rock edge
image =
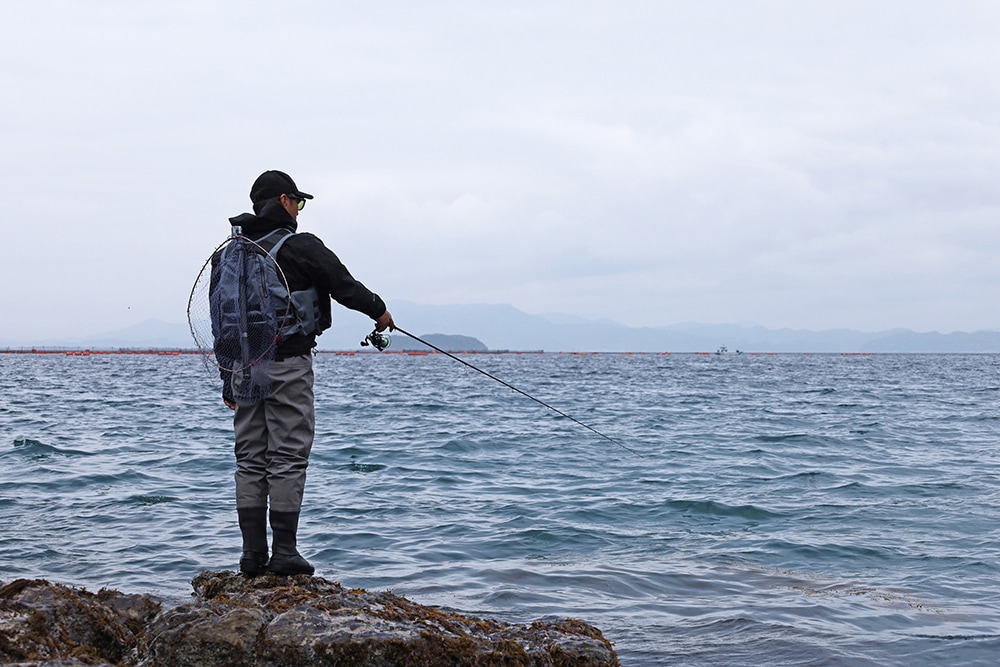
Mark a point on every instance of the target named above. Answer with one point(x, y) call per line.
point(268, 621)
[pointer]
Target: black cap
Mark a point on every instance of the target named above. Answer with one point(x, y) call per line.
point(273, 184)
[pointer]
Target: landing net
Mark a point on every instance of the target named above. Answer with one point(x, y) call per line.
point(237, 306)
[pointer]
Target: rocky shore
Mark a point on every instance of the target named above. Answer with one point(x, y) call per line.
point(271, 621)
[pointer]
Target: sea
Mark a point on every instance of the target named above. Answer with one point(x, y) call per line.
point(699, 509)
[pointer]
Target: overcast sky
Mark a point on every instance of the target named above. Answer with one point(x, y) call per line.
point(790, 164)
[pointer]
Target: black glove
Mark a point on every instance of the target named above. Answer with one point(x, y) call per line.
point(227, 392)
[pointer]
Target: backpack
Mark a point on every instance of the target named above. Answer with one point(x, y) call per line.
point(251, 310)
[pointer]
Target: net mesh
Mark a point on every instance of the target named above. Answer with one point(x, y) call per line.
point(235, 311)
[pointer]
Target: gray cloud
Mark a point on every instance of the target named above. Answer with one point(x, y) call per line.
point(805, 164)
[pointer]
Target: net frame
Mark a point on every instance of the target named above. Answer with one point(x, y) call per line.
point(199, 308)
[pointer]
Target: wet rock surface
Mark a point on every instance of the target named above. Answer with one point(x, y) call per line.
point(54, 625)
point(270, 621)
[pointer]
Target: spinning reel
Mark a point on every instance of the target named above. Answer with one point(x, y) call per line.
point(376, 340)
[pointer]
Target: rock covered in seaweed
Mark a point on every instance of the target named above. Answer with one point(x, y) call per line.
point(270, 621)
point(305, 620)
point(57, 625)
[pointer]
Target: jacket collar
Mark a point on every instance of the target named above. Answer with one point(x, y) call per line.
point(272, 216)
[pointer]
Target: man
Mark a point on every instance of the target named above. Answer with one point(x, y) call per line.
point(274, 436)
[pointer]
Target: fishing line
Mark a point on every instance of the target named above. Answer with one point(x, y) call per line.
point(380, 342)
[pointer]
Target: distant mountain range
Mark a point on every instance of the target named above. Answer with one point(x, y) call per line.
point(503, 327)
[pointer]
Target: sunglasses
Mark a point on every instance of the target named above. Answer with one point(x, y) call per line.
point(300, 202)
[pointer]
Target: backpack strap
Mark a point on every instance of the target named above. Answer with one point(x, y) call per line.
point(277, 246)
point(271, 241)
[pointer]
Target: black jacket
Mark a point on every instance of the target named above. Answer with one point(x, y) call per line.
point(306, 263)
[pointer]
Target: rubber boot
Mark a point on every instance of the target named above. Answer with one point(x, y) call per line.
point(286, 558)
point(253, 525)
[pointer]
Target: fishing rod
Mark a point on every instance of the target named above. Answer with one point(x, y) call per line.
point(380, 342)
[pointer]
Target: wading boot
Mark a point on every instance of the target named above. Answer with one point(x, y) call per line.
point(253, 525)
point(285, 558)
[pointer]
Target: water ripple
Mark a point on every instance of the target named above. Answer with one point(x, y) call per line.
point(788, 509)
